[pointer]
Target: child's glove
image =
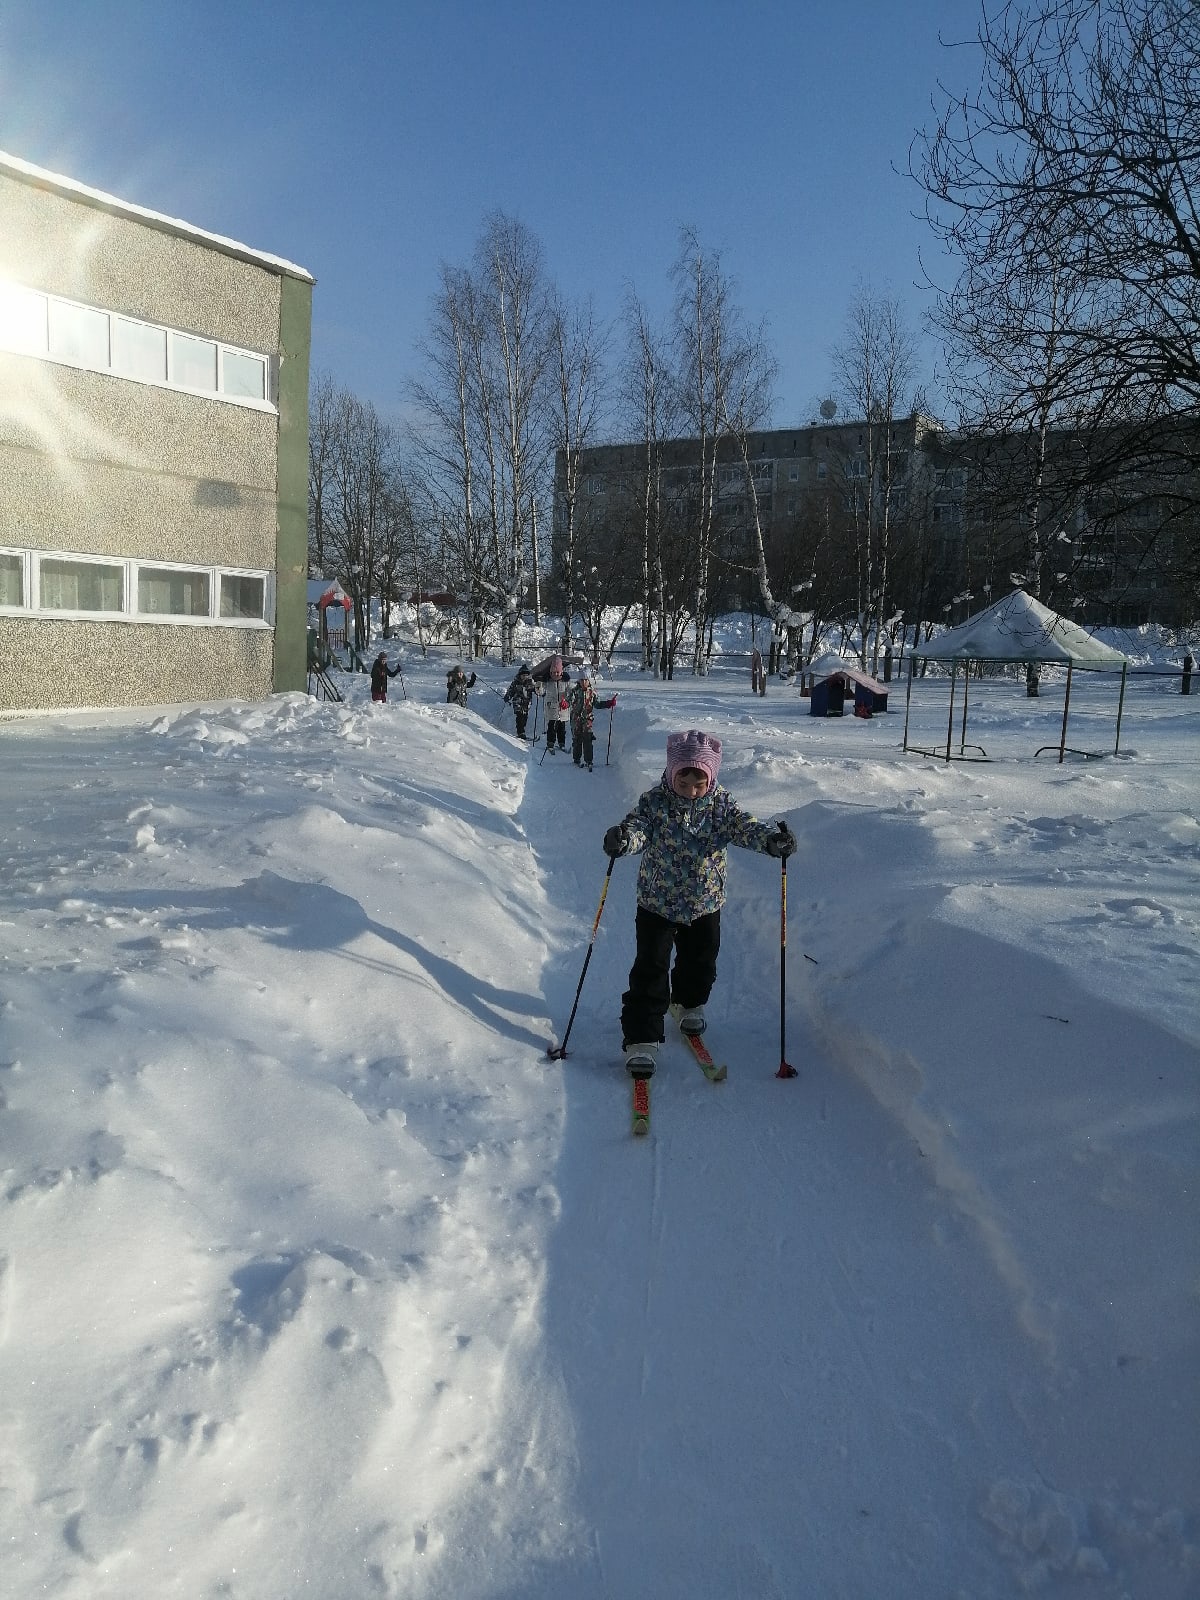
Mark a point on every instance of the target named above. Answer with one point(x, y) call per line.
point(781, 844)
point(616, 840)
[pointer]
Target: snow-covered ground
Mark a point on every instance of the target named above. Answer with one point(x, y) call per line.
point(318, 1277)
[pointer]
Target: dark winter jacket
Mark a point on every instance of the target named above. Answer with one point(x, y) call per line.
point(682, 842)
point(380, 673)
point(457, 684)
point(520, 692)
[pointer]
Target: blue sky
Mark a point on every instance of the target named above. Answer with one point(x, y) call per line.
point(367, 141)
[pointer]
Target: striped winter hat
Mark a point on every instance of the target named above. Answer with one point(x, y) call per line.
point(693, 749)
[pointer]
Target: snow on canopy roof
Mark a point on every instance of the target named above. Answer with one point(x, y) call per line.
point(318, 588)
point(125, 208)
point(1020, 628)
point(825, 666)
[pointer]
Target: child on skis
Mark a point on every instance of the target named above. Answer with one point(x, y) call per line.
point(457, 684)
point(558, 711)
point(682, 828)
point(519, 695)
point(581, 703)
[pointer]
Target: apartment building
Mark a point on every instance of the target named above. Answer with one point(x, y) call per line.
point(953, 515)
point(153, 455)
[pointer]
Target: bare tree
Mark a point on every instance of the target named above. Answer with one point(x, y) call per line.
point(444, 440)
point(646, 397)
point(577, 349)
point(483, 437)
point(322, 418)
point(1066, 188)
point(875, 368)
point(513, 399)
point(723, 376)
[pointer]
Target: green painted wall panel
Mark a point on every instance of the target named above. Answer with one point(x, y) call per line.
point(291, 595)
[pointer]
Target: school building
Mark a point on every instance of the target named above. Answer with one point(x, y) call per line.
point(153, 455)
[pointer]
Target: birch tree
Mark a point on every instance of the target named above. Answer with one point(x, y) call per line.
point(724, 378)
point(647, 399)
point(577, 349)
point(484, 432)
point(875, 368)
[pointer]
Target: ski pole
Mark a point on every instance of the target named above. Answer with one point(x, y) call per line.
point(785, 1071)
point(557, 1052)
point(608, 752)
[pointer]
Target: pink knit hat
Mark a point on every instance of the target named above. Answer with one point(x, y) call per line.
point(693, 749)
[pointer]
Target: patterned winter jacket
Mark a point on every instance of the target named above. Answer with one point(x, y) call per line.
point(582, 703)
point(682, 872)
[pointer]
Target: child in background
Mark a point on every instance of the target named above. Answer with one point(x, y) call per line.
point(682, 828)
point(457, 684)
point(581, 703)
point(557, 710)
point(519, 695)
point(380, 673)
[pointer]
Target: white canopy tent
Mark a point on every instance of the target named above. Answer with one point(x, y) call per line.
point(1017, 630)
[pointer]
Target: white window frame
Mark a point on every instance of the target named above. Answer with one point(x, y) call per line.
point(89, 560)
point(242, 572)
point(221, 347)
point(23, 556)
point(31, 582)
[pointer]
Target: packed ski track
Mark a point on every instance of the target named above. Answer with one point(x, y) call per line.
point(320, 1276)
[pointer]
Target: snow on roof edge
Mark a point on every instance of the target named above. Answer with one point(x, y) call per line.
point(110, 202)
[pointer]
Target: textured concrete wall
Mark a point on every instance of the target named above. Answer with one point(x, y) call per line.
point(53, 665)
point(92, 464)
point(69, 247)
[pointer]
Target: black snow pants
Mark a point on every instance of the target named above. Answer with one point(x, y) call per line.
point(652, 983)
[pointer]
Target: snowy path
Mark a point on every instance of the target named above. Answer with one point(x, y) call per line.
point(750, 1376)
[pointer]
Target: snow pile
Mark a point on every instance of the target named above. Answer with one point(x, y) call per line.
point(319, 1277)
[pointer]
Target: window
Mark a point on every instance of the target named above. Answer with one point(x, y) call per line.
point(129, 590)
point(172, 592)
point(53, 329)
point(596, 485)
point(193, 362)
point(67, 585)
point(139, 351)
point(243, 375)
point(822, 470)
point(22, 320)
point(78, 334)
point(12, 579)
point(242, 596)
point(793, 474)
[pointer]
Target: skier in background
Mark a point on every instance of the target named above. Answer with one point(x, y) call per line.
point(380, 673)
point(519, 695)
point(457, 684)
point(558, 711)
point(681, 827)
point(581, 703)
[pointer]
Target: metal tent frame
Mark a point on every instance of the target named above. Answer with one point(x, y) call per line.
point(1017, 631)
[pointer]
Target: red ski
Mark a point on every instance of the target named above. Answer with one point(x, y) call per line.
point(714, 1071)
